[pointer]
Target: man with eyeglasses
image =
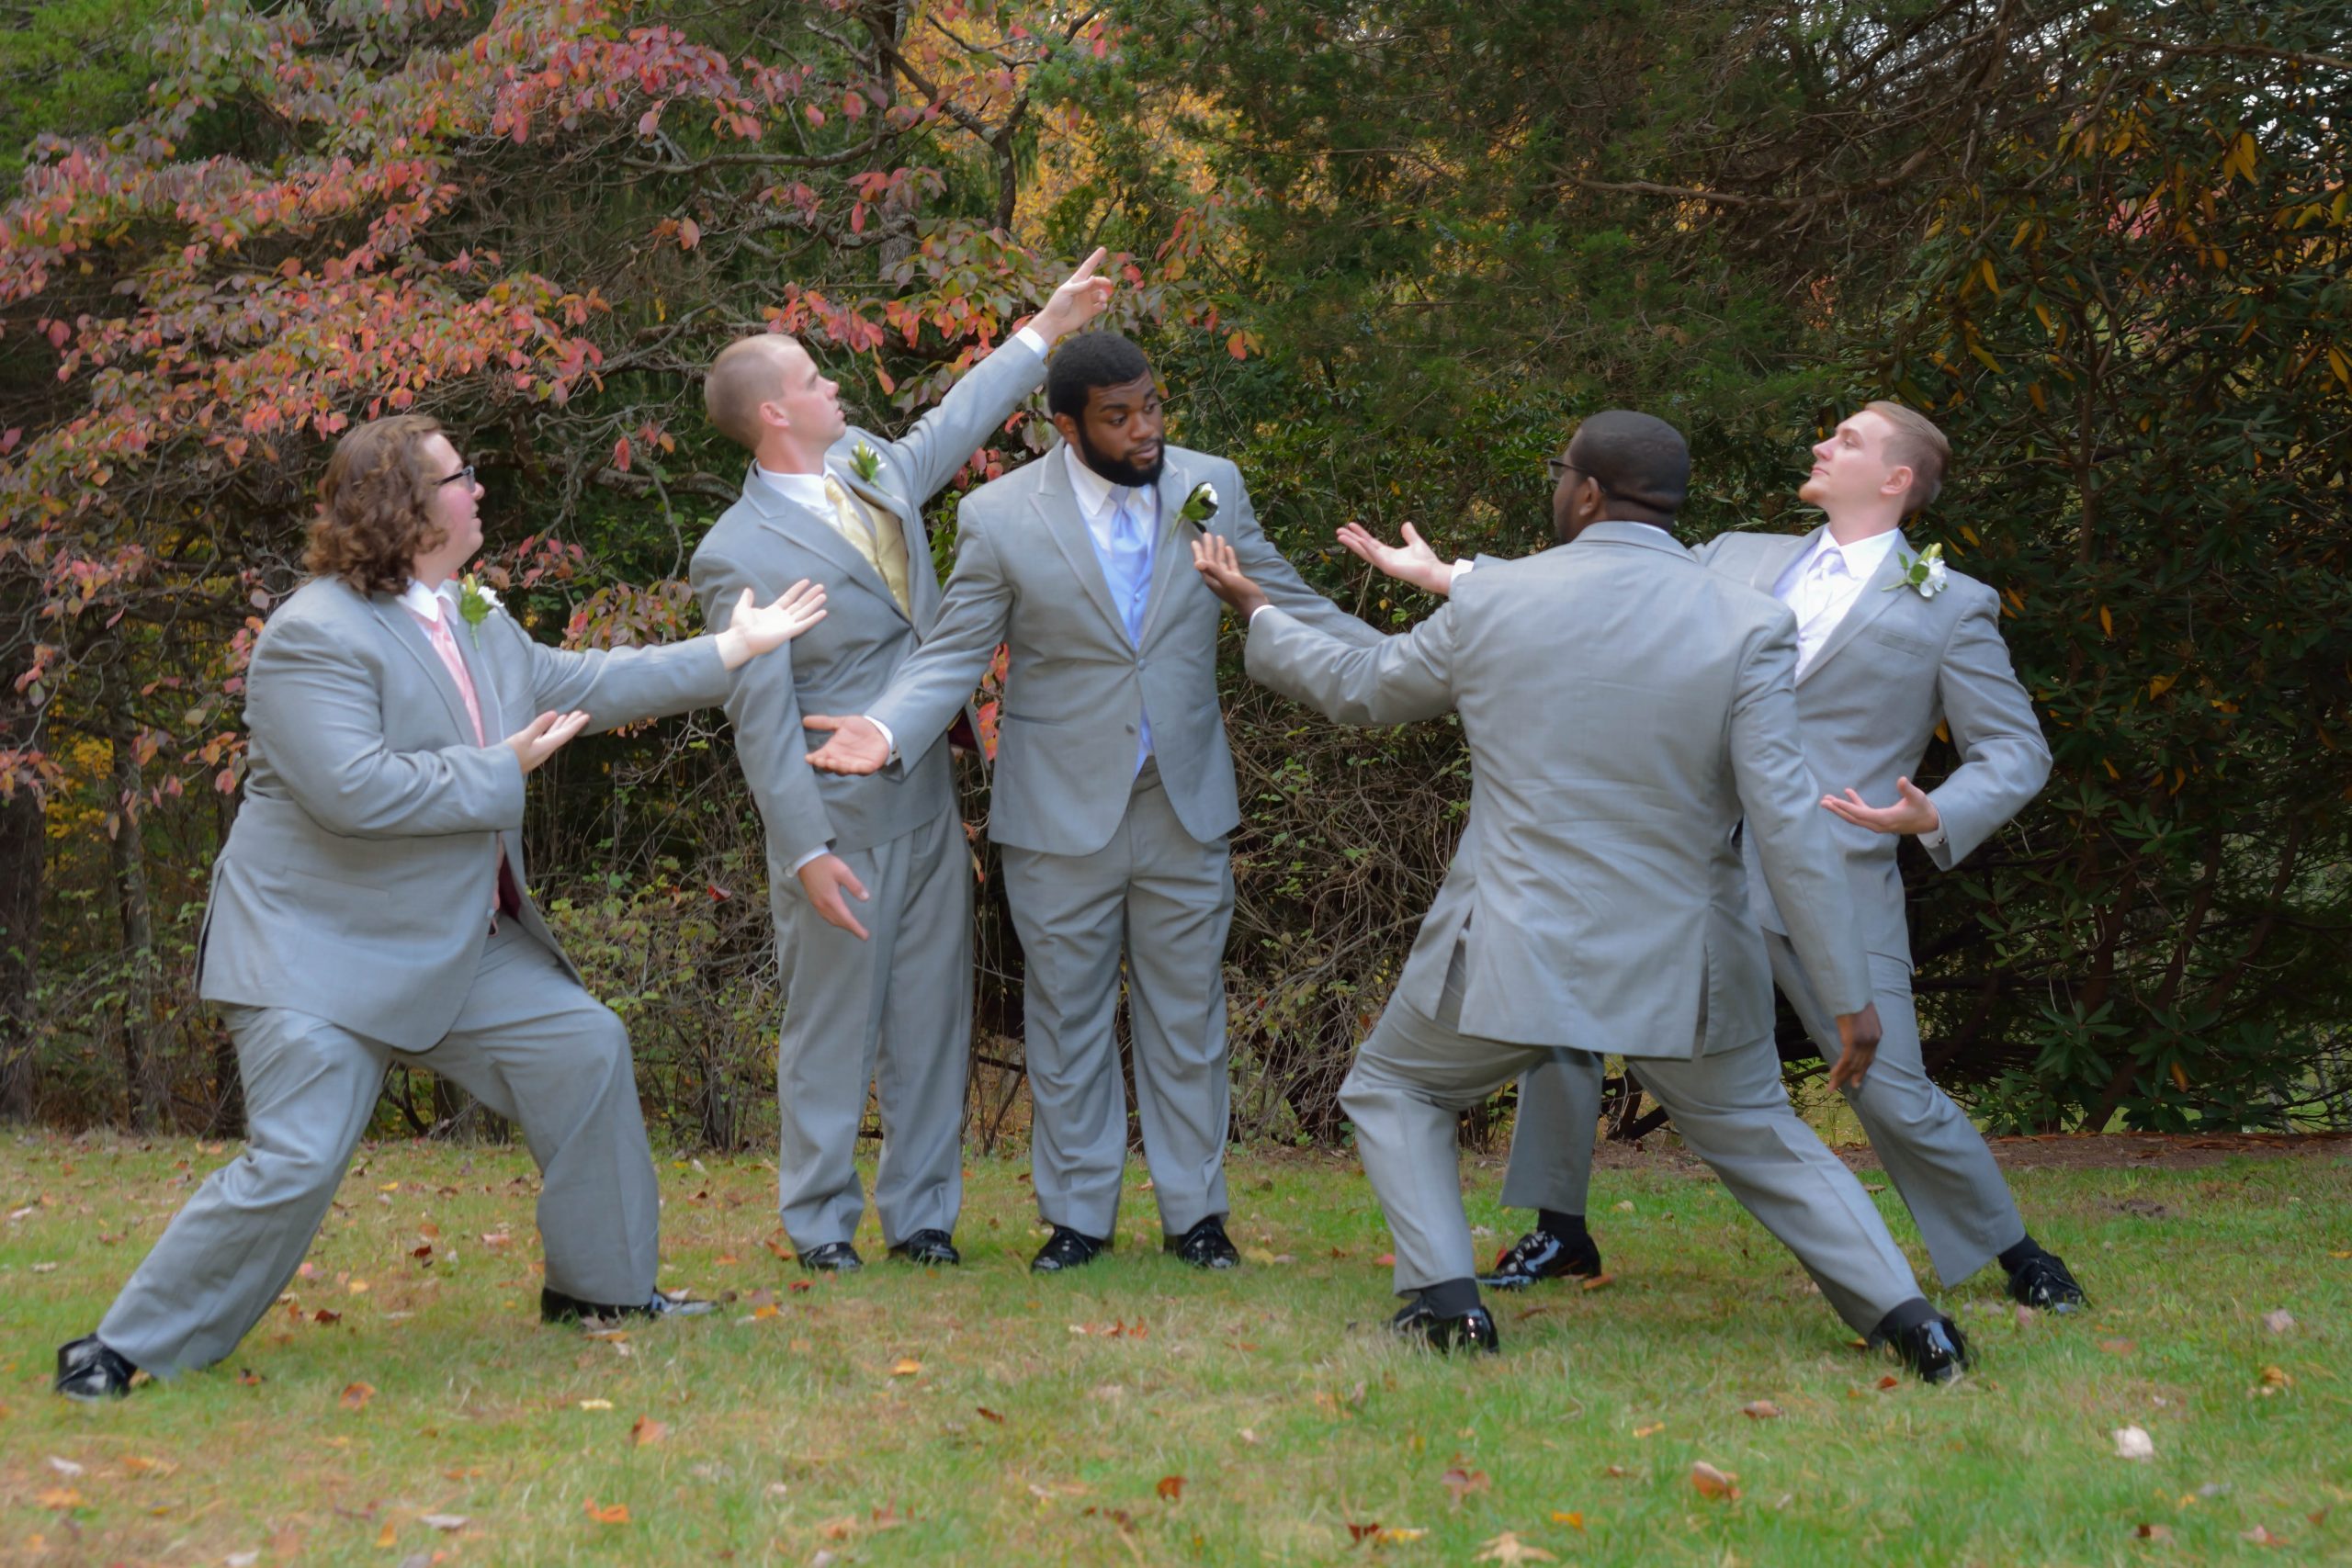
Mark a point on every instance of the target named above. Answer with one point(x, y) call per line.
point(370, 906)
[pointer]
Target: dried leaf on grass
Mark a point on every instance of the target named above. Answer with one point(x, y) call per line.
point(355, 1395)
point(905, 1367)
point(1761, 1410)
point(448, 1522)
point(1508, 1548)
point(1460, 1483)
point(608, 1514)
point(2133, 1442)
point(645, 1431)
point(1171, 1488)
point(1713, 1483)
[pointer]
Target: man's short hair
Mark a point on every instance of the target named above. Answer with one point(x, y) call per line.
point(1088, 361)
point(376, 504)
point(746, 374)
point(1633, 456)
point(1918, 446)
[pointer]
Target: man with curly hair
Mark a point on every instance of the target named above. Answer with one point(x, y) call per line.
point(370, 907)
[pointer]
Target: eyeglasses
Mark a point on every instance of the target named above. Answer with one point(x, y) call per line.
point(1557, 469)
point(465, 475)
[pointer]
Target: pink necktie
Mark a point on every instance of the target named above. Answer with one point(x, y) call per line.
point(437, 632)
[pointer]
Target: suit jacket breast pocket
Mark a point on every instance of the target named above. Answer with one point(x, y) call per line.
point(1900, 643)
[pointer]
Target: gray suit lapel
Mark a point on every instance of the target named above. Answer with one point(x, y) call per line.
point(1877, 597)
point(1774, 555)
point(410, 636)
point(818, 536)
point(1057, 508)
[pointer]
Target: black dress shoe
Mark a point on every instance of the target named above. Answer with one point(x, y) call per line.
point(1206, 1245)
point(1065, 1248)
point(833, 1257)
point(87, 1368)
point(557, 1307)
point(1935, 1350)
point(1540, 1254)
point(2043, 1282)
point(1472, 1330)
point(928, 1247)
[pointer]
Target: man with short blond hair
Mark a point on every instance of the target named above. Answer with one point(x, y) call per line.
point(1890, 646)
point(869, 879)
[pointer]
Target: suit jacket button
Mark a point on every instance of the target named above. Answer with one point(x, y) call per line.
point(1131, 729)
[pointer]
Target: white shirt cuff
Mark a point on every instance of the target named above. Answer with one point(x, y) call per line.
point(1460, 570)
point(1258, 611)
point(887, 738)
point(1933, 839)
point(1033, 338)
point(813, 855)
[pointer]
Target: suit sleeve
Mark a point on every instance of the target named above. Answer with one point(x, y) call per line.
point(944, 439)
point(2003, 762)
point(763, 705)
point(1392, 680)
point(1273, 572)
point(1782, 803)
point(315, 710)
point(614, 686)
point(932, 687)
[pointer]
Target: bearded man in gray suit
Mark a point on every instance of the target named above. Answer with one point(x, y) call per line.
point(1114, 790)
point(369, 908)
point(885, 999)
point(1624, 709)
point(1890, 646)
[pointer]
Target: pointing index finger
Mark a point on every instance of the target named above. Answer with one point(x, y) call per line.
point(1086, 268)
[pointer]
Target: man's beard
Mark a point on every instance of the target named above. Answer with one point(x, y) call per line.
point(1117, 470)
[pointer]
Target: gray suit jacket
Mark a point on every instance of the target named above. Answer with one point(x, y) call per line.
point(357, 882)
point(1076, 688)
point(1624, 709)
point(1896, 668)
point(841, 665)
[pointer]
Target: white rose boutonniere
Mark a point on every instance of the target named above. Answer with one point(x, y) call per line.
point(1199, 506)
point(475, 602)
point(865, 460)
point(1924, 573)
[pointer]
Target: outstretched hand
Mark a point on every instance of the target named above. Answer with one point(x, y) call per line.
point(1214, 558)
point(755, 628)
point(856, 747)
point(544, 736)
point(1912, 812)
point(1080, 298)
point(1413, 561)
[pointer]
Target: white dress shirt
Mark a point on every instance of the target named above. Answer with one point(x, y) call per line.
point(1821, 586)
point(1099, 500)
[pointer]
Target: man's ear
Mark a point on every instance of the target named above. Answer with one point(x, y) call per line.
point(1898, 480)
point(772, 416)
point(1067, 426)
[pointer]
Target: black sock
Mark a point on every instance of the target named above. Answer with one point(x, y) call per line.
point(1910, 1314)
point(1451, 1298)
point(2023, 1253)
point(1568, 1227)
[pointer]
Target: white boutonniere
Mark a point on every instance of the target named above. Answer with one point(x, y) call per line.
point(865, 460)
point(1925, 573)
point(1199, 506)
point(475, 603)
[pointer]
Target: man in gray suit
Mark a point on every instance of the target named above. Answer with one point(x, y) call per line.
point(1882, 660)
point(885, 999)
point(1624, 711)
point(1113, 789)
point(369, 908)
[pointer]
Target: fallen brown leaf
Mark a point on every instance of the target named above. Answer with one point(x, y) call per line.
point(1460, 1483)
point(2154, 1532)
point(1890, 1381)
point(1713, 1483)
point(61, 1497)
point(645, 1431)
point(988, 1415)
point(1598, 1282)
point(1361, 1532)
point(1508, 1548)
point(1652, 1430)
point(1572, 1517)
point(1761, 1410)
point(905, 1367)
point(324, 1316)
point(1171, 1488)
point(612, 1513)
point(357, 1395)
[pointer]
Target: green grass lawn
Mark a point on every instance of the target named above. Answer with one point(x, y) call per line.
point(1140, 1412)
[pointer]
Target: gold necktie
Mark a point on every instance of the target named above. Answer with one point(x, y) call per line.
point(875, 534)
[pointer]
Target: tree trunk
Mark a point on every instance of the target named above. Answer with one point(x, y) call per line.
point(23, 863)
point(142, 1075)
